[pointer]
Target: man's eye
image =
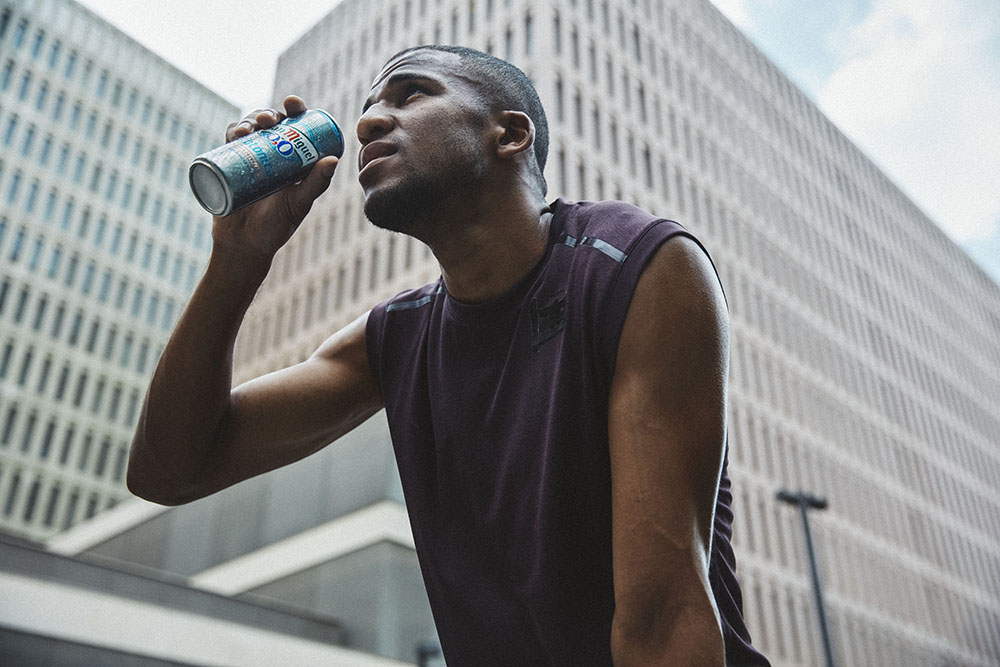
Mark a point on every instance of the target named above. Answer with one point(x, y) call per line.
point(411, 91)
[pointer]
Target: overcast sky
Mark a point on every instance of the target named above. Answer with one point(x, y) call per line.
point(915, 83)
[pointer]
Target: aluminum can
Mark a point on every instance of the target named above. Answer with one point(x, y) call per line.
point(250, 168)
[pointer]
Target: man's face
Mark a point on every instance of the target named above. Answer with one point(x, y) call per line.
point(423, 138)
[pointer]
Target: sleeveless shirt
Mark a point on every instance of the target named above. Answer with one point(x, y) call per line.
point(498, 414)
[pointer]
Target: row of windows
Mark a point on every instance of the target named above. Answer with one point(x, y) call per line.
point(95, 176)
point(775, 449)
point(26, 306)
point(782, 621)
point(23, 428)
point(65, 262)
point(70, 327)
point(110, 94)
point(92, 172)
point(51, 504)
point(852, 426)
point(893, 379)
point(867, 330)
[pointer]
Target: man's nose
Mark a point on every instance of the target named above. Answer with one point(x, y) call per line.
point(374, 123)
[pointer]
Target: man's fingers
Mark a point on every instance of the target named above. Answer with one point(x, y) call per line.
point(264, 118)
point(294, 105)
point(268, 118)
point(253, 121)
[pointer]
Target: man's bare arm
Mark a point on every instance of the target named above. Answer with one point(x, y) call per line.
point(667, 425)
point(196, 434)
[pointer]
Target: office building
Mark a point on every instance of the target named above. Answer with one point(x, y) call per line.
point(100, 244)
point(864, 360)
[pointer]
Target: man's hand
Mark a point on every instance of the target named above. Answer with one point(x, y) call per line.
point(255, 233)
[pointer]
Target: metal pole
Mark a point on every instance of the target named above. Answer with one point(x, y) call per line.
point(806, 502)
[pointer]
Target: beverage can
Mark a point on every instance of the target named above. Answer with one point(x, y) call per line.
point(250, 168)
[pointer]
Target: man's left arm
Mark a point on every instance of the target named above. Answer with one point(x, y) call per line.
point(667, 431)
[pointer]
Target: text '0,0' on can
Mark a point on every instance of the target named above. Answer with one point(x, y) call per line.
point(250, 168)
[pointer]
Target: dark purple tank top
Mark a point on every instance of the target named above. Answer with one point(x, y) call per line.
point(498, 415)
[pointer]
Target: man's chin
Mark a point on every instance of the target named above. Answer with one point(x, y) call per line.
point(396, 208)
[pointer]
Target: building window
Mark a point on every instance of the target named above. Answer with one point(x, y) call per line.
point(4, 20)
point(528, 34)
point(8, 136)
point(54, 52)
point(6, 75)
point(42, 97)
point(29, 202)
point(52, 505)
point(8, 426)
point(29, 355)
point(109, 342)
point(8, 351)
point(67, 444)
point(22, 92)
point(40, 309)
point(74, 328)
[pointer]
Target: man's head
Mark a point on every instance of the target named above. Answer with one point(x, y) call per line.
point(501, 86)
point(444, 122)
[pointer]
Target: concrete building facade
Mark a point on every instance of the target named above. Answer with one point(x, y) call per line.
point(864, 366)
point(101, 242)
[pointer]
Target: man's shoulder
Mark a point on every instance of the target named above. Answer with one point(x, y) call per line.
point(615, 223)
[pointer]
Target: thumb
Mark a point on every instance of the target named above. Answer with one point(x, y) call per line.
point(316, 182)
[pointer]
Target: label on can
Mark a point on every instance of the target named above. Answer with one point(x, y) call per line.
point(254, 166)
point(290, 144)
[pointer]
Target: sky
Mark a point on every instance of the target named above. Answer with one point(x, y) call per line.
point(914, 83)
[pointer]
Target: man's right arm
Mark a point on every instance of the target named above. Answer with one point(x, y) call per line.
point(196, 434)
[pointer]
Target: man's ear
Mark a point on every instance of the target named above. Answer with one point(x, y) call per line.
point(515, 134)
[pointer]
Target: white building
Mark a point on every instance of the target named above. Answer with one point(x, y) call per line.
point(865, 367)
point(101, 243)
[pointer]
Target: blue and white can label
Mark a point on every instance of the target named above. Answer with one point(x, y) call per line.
point(250, 168)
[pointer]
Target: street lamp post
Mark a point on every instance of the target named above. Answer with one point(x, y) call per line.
point(806, 502)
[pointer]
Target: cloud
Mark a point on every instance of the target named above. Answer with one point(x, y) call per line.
point(736, 11)
point(919, 88)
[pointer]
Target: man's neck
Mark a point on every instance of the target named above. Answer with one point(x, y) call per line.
point(484, 249)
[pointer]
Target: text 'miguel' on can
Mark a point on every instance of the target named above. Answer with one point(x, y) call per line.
point(252, 167)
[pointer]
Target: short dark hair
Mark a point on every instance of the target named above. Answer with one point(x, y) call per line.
point(503, 87)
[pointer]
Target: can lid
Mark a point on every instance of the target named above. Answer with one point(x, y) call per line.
point(208, 188)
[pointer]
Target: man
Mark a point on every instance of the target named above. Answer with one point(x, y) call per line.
point(557, 400)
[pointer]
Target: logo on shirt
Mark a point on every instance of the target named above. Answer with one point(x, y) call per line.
point(546, 321)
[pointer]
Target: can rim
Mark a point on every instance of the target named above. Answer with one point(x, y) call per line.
point(227, 192)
